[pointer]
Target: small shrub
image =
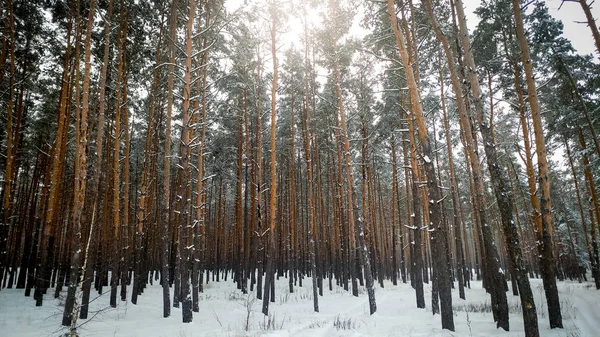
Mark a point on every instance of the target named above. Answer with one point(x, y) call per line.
point(345, 323)
point(248, 304)
point(485, 307)
point(270, 323)
point(284, 298)
point(317, 324)
point(235, 296)
point(574, 332)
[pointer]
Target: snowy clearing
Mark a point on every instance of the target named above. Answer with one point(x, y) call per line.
point(225, 311)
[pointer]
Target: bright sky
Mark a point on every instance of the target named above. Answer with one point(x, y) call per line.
point(570, 14)
point(579, 33)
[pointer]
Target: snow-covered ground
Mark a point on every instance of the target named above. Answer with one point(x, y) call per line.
point(225, 311)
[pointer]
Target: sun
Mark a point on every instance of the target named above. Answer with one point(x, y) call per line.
point(299, 17)
point(291, 29)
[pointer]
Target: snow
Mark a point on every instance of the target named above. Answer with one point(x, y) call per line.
point(224, 309)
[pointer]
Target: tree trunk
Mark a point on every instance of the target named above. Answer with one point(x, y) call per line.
point(595, 205)
point(501, 187)
point(200, 228)
point(71, 311)
point(394, 212)
point(352, 207)
point(184, 167)
point(292, 202)
point(258, 182)
point(166, 203)
point(11, 138)
point(592, 255)
point(126, 181)
point(56, 169)
point(591, 22)
point(96, 173)
point(118, 237)
point(456, 216)
point(312, 226)
point(145, 202)
point(239, 202)
point(548, 265)
point(270, 249)
point(435, 194)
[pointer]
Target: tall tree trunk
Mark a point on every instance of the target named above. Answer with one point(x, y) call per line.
point(145, 202)
point(11, 136)
point(456, 216)
point(184, 166)
point(501, 186)
point(118, 237)
point(435, 194)
point(239, 202)
point(592, 255)
point(97, 171)
point(126, 227)
point(548, 263)
point(44, 267)
point(200, 220)
point(165, 201)
point(595, 206)
point(395, 216)
point(312, 226)
point(71, 311)
point(351, 203)
point(270, 249)
point(11, 147)
point(412, 189)
point(258, 251)
point(292, 201)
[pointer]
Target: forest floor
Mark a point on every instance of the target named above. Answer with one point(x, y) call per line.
point(225, 311)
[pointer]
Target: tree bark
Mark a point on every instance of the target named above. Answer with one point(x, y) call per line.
point(548, 265)
point(11, 147)
point(71, 311)
point(435, 194)
point(312, 226)
point(184, 166)
point(118, 242)
point(591, 23)
point(165, 201)
point(351, 204)
point(501, 187)
point(595, 205)
point(44, 268)
point(456, 217)
point(125, 225)
point(145, 200)
point(96, 172)
point(592, 255)
point(270, 252)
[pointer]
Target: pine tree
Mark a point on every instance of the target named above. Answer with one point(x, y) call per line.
point(71, 311)
point(545, 231)
point(435, 195)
